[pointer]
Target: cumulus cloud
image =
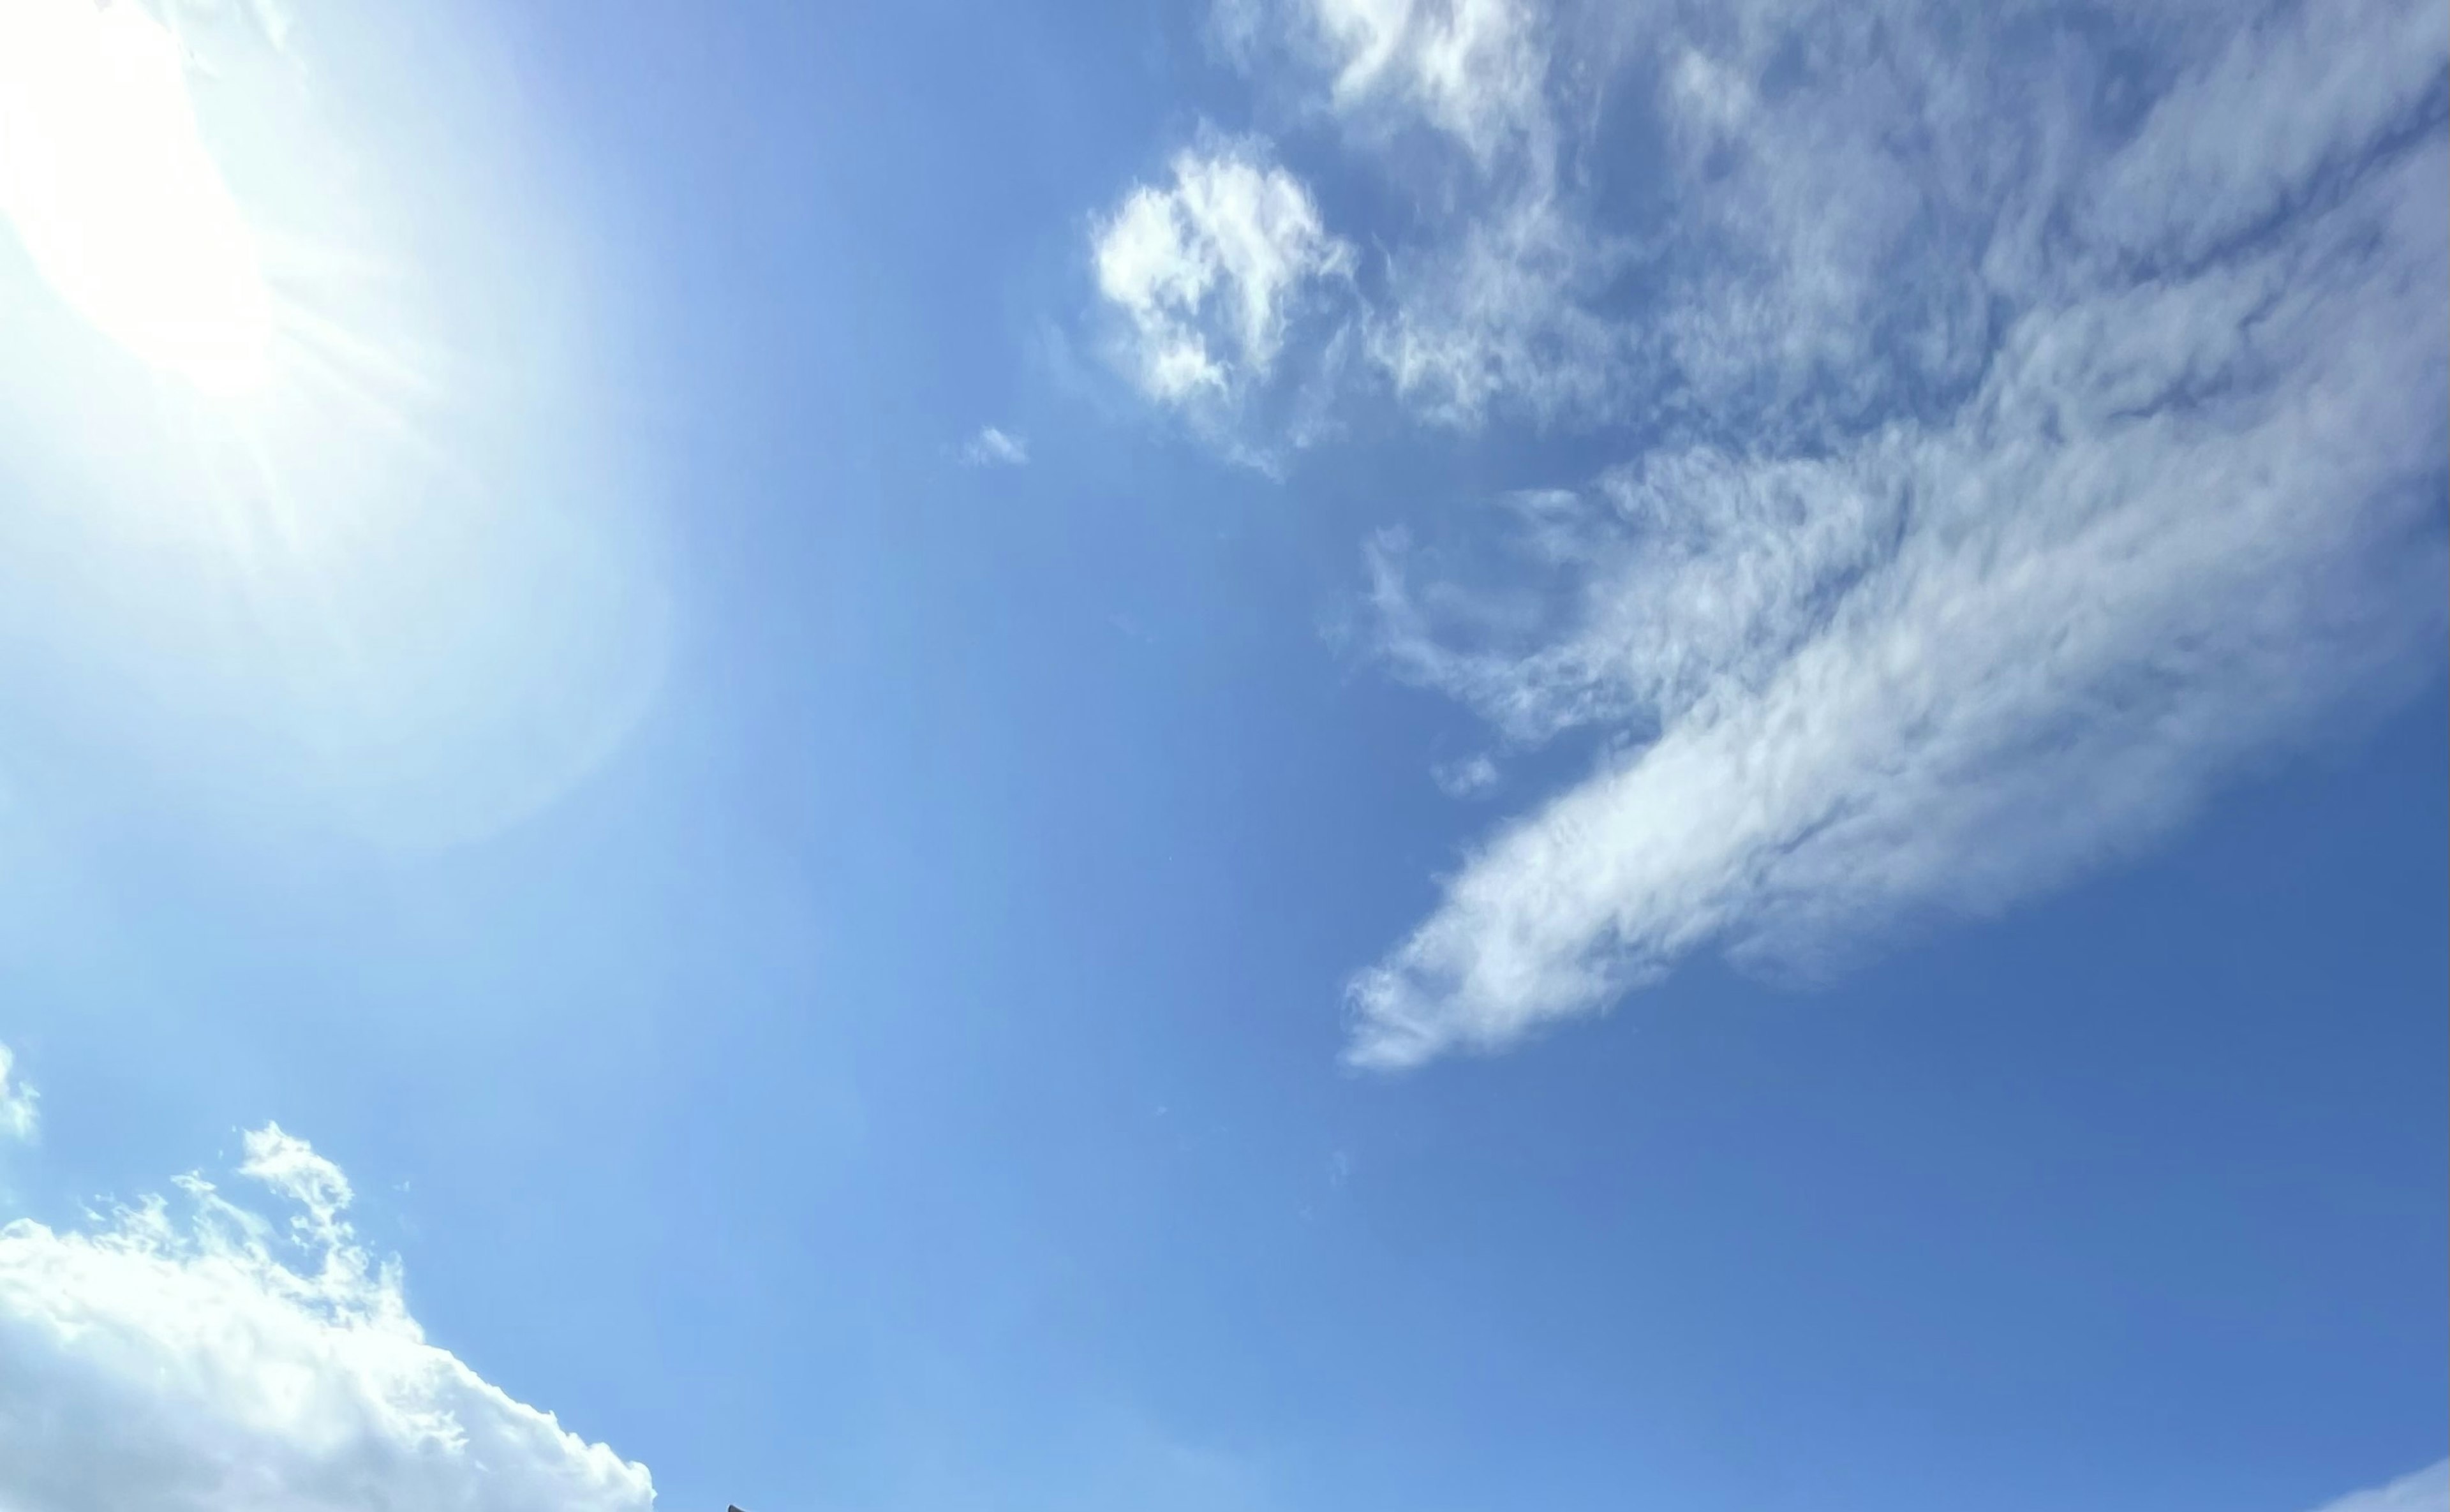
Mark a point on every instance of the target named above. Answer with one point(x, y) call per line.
point(2424, 1491)
point(18, 1118)
point(1209, 270)
point(2083, 492)
point(996, 448)
point(197, 1355)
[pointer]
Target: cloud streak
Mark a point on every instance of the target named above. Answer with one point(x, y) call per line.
point(197, 1355)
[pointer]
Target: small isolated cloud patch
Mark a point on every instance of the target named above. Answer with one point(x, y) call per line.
point(1208, 272)
point(1469, 778)
point(992, 447)
point(196, 1354)
point(19, 1117)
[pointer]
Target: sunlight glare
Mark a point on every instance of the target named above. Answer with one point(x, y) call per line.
point(108, 183)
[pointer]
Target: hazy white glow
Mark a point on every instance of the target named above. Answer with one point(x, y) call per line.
point(108, 183)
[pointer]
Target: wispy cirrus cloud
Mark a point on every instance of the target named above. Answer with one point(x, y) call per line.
point(2023, 422)
point(197, 1354)
point(1953, 657)
point(2012, 593)
point(1478, 116)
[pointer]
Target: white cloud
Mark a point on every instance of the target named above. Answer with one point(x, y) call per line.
point(995, 448)
point(1486, 303)
point(1493, 317)
point(2424, 1491)
point(1209, 271)
point(1473, 68)
point(217, 1363)
point(2293, 96)
point(18, 1116)
point(2004, 502)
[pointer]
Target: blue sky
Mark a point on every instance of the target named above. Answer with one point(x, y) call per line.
point(1251, 757)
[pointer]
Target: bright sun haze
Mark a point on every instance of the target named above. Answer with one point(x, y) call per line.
point(117, 201)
